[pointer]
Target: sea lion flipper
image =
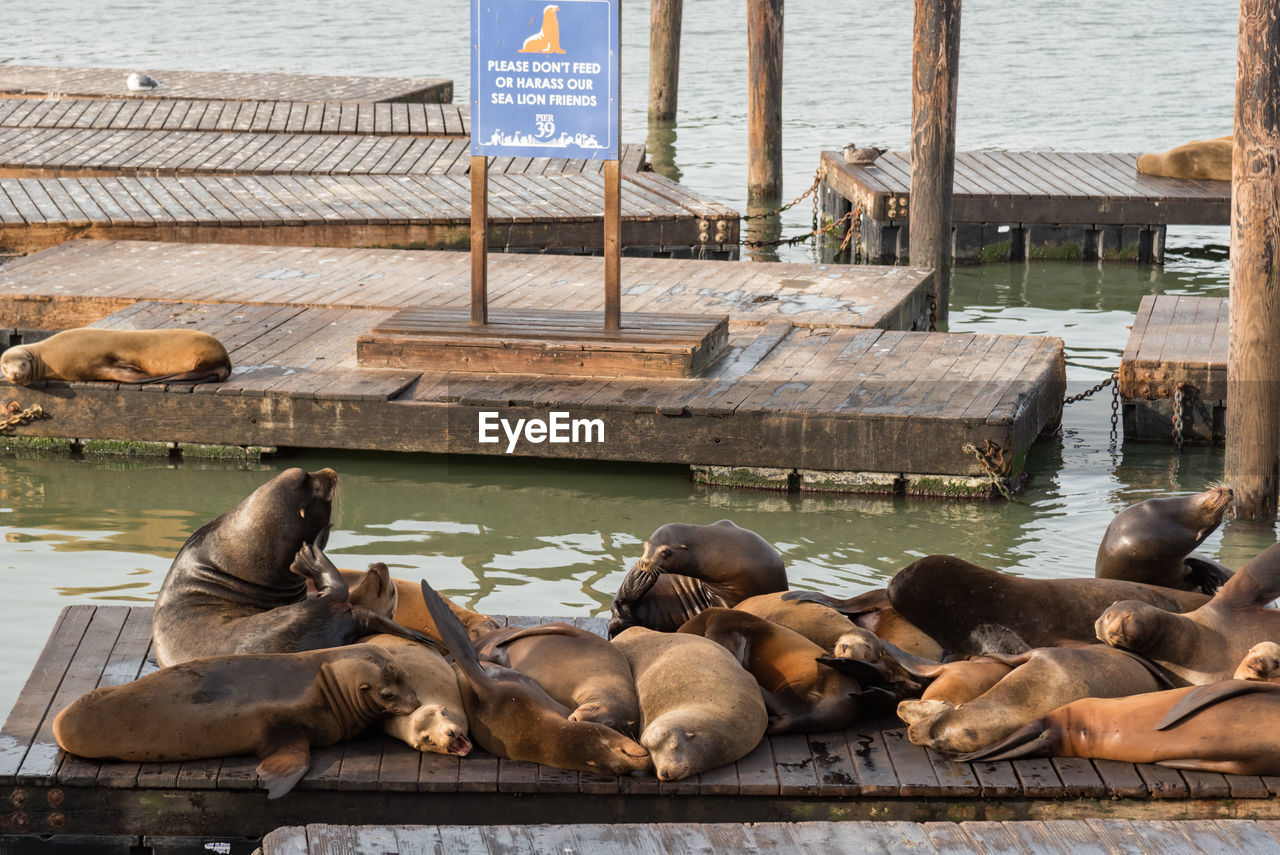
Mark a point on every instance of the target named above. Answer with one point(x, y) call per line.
point(372, 623)
point(1205, 574)
point(856, 605)
point(1203, 697)
point(916, 666)
point(453, 634)
point(1030, 740)
point(312, 564)
point(283, 761)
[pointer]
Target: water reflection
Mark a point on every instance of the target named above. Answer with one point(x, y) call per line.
point(660, 149)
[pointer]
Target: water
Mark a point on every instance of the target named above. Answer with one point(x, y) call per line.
point(555, 538)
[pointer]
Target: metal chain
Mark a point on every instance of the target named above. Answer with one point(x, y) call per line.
point(1115, 411)
point(18, 416)
point(1071, 399)
point(817, 179)
point(1177, 416)
point(994, 465)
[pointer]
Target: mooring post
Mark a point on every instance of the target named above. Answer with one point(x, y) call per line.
point(479, 239)
point(935, 68)
point(612, 245)
point(1252, 465)
point(764, 106)
point(664, 58)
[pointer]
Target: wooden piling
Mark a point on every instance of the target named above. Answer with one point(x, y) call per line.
point(612, 245)
point(935, 71)
point(479, 239)
point(664, 58)
point(764, 110)
point(1253, 359)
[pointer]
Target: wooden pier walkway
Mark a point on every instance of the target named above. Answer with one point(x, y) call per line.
point(1176, 345)
point(1019, 205)
point(815, 382)
point(869, 771)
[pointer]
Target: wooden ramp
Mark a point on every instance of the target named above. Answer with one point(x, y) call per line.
point(869, 771)
point(42, 81)
point(1176, 358)
point(1018, 205)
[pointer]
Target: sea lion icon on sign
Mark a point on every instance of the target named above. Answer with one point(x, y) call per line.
point(546, 40)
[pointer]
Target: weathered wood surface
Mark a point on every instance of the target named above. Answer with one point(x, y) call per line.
point(1054, 837)
point(868, 771)
point(764, 101)
point(45, 81)
point(1037, 187)
point(366, 118)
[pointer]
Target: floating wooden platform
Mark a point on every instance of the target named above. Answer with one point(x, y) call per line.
point(1018, 205)
point(869, 771)
point(805, 388)
point(1176, 344)
point(43, 81)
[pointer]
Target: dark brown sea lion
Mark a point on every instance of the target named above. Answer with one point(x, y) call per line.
point(1209, 159)
point(971, 610)
point(801, 693)
point(511, 716)
point(1153, 542)
point(1204, 645)
point(119, 356)
point(238, 584)
point(699, 708)
point(578, 668)
point(872, 611)
point(439, 724)
point(276, 706)
point(707, 565)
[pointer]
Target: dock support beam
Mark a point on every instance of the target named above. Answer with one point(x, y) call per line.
point(764, 104)
point(935, 70)
point(1253, 357)
point(479, 239)
point(664, 58)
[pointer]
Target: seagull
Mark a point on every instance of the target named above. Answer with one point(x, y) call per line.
point(862, 156)
point(139, 81)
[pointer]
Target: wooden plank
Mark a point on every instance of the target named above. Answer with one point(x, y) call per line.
point(870, 755)
point(797, 775)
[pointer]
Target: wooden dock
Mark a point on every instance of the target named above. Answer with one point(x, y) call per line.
point(821, 376)
point(44, 81)
point(1177, 348)
point(1011, 206)
point(869, 771)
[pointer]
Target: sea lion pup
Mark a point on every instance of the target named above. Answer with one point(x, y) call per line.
point(1204, 645)
point(801, 692)
point(578, 668)
point(716, 565)
point(276, 706)
point(1210, 159)
point(411, 610)
point(1041, 680)
point(971, 610)
point(871, 611)
point(511, 716)
point(699, 709)
point(1262, 662)
point(439, 724)
point(1153, 542)
point(119, 356)
point(238, 584)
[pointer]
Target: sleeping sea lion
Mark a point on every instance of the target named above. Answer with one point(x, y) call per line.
point(1153, 542)
point(439, 724)
point(1210, 159)
point(411, 610)
point(871, 611)
point(119, 356)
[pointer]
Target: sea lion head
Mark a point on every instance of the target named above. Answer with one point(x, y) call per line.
point(1262, 662)
point(381, 685)
point(20, 366)
point(435, 729)
point(375, 591)
point(858, 643)
point(1129, 625)
point(674, 750)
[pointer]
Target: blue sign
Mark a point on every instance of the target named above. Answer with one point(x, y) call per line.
point(544, 78)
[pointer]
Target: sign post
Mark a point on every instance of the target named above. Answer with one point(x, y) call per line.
point(544, 83)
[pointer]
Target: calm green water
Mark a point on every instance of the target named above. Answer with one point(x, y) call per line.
point(550, 538)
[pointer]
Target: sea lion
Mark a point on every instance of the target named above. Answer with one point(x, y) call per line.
point(699, 709)
point(119, 356)
point(511, 716)
point(871, 611)
point(411, 611)
point(1152, 542)
point(1209, 159)
point(439, 724)
point(578, 668)
point(819, 623)
point(801, 693)
point(1204, 645)
point(276, 706)
point(1262, 662)
point(1041, 680)
point(546, 40)
point(238, 583)
point(971, 610)
point(718, 565)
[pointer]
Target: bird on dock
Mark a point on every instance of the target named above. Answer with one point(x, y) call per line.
point(138, 82)
point(862, 156)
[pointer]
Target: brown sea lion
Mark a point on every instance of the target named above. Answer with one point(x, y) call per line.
point(412, 612)
point(1153, 542)
point(699, 709)
point(1204, 645)
point(971, 610)
point(276, 706)
point(119, 356)
point(1262, 662)
point(819, 623)
point(439, 724)
point(511, 716)
point(238, 584)
point(801, 693)
point(1041, 680)
point(872, 611)
point(578, 668)
point(717, 565)
point(1210, 159)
